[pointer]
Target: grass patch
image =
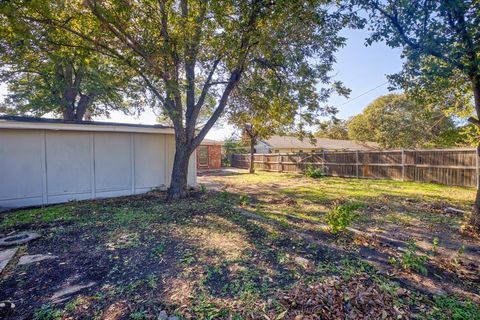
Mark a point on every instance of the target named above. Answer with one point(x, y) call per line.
point(203, 258)
point(57, 213)
point(451, 308)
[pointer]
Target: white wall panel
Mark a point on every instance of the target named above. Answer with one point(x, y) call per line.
point(21, 175)
point(40, 166)
point(113, 162)
point(68, 168)
point(149, 161)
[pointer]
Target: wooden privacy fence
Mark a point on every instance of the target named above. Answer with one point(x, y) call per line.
point(456, 167)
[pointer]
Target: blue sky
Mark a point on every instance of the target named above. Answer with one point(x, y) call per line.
point(359, 67)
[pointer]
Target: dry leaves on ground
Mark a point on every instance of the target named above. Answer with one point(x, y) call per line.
point(357, 298)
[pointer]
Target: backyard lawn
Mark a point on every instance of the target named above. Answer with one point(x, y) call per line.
point(251, 246)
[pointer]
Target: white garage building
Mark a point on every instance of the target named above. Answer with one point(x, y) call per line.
point(45, 161)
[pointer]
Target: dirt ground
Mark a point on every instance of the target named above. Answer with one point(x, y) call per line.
point(249, 247)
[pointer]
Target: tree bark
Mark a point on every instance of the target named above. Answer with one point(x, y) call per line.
point(82, 106)
point(474, 220)
point(252, 157)
point(76, 111)
point(475, 217)
point(68, 114)
point(178, 184)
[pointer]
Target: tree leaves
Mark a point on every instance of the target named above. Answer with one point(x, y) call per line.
point(50, 71)
point(394, 121)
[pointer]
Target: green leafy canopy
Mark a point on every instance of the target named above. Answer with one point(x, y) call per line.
point(48, 70)
point(394, 121)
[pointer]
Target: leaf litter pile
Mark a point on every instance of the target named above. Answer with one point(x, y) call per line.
point(336, 298)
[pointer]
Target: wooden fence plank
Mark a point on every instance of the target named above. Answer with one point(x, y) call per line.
point(459, 167)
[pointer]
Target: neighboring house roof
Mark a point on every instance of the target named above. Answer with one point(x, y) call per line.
point(20, 122)
point(209, 142)
point(289, 142)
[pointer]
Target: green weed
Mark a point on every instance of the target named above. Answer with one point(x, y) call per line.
point(341, 217)
point(158, 250)
point(435, 243)
point(138, 315)
point(459, 255)
point(47, 312)
point(188, 257)
point(450, 308)
point(152, 281)
point(205, 309)
point(410, 260)
point(243, 200)
point(314, 172)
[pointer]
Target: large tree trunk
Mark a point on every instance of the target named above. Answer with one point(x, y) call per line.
point(69, 114)
point(475, 217)
point(252, 157)
point(82, 106)
point(178, 184)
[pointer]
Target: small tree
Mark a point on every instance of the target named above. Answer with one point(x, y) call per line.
point(441, 45)
point(266, 103)
point(258, 119)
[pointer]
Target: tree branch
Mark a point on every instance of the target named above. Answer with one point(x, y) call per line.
point(474, 121)
point(121, 35)
point(234, 78)
point(415, 45)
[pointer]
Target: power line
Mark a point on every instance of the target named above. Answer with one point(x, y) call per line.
point(361, 95)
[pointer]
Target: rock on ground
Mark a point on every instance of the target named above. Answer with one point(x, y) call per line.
point(61, 294)
point(19, 238)
point(27, 259)
point(6, 256)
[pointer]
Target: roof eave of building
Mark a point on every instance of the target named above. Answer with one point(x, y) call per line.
point(53, 124)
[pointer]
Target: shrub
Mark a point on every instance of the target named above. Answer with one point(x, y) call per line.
point(341, 216)
point(314, 172)
point(411, 260)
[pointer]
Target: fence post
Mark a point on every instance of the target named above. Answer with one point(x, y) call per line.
point(403, 165)
point(356, 162)
point(324, 161)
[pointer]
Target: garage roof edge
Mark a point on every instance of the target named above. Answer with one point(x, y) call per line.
point(16, 122)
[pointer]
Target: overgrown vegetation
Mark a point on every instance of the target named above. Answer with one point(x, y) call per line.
point(231, 146)
point(204, 258)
